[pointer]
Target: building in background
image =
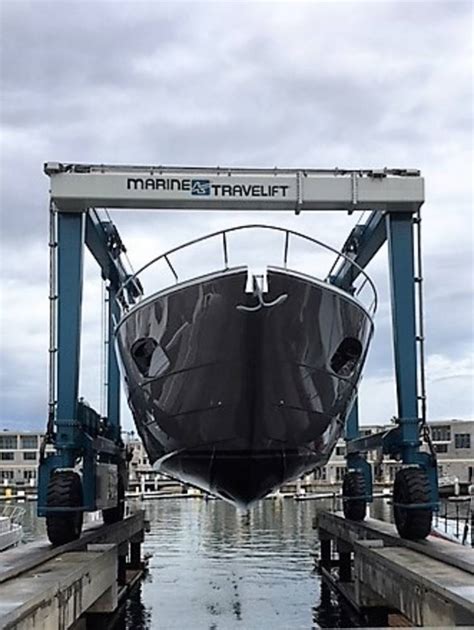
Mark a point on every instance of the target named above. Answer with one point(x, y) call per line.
point(453, 441)
point(19, 456)
point(454, 446)
point(142, 477)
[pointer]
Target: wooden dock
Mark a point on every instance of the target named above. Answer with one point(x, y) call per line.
point(55, 587)
point(425, 583)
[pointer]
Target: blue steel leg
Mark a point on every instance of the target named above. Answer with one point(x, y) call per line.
point(400, 251)
point(399, 228)
point(70, 267)
point(356, 461)
point(113, 376)
point(352, 422)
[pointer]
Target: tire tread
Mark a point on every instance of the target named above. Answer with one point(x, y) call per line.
point(353, 485)
point(64, 490)
point(412, 486)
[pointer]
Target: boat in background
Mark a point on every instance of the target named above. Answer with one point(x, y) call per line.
point(238, 381)
point(11, 529)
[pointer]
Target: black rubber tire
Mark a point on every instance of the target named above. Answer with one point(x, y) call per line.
point(115, 514)
point(64, 490)
point(353, 485)
point(412, 486)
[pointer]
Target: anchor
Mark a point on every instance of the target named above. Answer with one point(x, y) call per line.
point(259, 281)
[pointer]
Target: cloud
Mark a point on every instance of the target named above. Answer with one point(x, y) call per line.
point(449, 391)
point(254, 84)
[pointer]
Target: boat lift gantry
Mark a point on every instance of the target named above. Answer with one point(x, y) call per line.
point(80, 435)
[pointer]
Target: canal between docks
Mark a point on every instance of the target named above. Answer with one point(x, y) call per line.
point(215, 568)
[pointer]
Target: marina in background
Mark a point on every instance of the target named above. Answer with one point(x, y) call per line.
point(453, 441)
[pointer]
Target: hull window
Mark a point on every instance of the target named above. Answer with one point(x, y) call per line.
point(142, 352)
point(345, 358)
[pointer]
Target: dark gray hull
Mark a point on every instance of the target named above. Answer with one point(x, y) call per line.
point(238, 402)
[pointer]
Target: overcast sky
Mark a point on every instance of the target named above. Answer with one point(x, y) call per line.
point(347, 84)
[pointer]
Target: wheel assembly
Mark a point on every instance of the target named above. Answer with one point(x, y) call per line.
point(353, 486)
point(64, 491)
point(112, 515)
point(412, 487)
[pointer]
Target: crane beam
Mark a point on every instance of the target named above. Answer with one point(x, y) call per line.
point(78, 187)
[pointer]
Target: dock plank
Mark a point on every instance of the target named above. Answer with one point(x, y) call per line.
point(55, 594)
point(25, 557)
point(450, 553)
point(427, 590)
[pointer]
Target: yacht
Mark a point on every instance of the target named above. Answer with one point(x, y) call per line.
point(238, 381)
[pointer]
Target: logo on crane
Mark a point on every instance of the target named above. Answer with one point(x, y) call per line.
point(200, 187)
point(204, 187)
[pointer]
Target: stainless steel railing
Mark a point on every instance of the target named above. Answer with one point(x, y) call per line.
point(289, 237)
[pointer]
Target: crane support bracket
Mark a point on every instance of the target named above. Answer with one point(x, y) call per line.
point(361, 246)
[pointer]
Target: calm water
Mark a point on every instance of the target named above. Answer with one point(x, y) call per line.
point(213, 567)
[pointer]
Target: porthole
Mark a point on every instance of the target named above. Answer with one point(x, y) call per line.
point(142, 351)
point(344, 360)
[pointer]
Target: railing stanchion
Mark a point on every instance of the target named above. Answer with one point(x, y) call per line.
point(224, 242)
point(171, 267)
point(287, 242)
point(371, 309)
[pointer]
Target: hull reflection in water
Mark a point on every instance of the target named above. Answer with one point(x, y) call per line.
point(238, 393)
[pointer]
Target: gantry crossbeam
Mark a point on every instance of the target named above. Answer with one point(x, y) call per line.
point(77, 187)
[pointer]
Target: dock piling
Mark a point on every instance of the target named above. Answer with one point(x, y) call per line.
point(424, 583)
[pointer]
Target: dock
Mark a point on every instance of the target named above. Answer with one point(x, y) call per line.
point(420, 583)
point(60, 587)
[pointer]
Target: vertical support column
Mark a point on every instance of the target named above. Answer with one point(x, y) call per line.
point(70, 276)
point(135, 555)
point(325, 542)
point(352, 422)
point(402, 283)
point(122, 563)
point(113, 374)
point(345, 561)
point(358, 461)
point(135, 551)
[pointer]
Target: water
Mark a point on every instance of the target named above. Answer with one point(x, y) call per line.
point(213, 567)
point(231, 569)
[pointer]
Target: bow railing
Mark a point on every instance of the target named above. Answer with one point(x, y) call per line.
point(290, 237)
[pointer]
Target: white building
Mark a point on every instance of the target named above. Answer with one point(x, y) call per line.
point(454, 445)
point(453, 441)
point(19, 457)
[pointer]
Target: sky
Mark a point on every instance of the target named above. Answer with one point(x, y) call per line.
point(310, 84)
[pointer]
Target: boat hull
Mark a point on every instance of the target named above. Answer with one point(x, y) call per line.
point(10, 533)
point(238, 396)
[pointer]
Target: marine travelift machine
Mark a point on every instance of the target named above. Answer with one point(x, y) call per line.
point(88, 469)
